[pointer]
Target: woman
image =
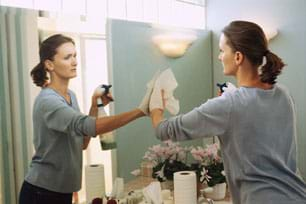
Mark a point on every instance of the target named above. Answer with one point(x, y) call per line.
point(254, 123)
point(60, 130)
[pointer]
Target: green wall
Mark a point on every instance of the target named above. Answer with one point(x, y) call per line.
point(289, 17)
point(134, 59)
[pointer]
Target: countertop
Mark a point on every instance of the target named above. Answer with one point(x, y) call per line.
point(140, 182)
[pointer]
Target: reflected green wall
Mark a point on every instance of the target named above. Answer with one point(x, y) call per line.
point(134, 60)
point(289, 17)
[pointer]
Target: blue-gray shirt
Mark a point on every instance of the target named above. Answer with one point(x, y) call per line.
point(59, 129)
point(257, 131)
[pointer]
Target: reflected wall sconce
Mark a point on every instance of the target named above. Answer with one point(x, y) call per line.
point(270, 33)
point(173, 45)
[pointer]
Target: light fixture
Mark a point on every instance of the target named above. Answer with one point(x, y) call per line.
point(270, 33)
point(174, 44)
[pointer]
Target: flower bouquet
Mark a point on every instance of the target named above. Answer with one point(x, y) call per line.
point(210, 170)
point(170, 157)
point(167, 158)
point(208, 164)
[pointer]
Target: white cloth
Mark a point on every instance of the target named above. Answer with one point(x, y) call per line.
point(144, 105)
point(152, 193)
point(166, 81)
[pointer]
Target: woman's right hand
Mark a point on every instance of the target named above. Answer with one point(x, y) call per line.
point(219, 93)
point(106, 98)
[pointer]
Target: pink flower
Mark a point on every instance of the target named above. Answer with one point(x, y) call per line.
point(198, 154)
point(182, 156)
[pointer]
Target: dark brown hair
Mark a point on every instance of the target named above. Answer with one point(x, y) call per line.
point(47, 50)
point(249, 39)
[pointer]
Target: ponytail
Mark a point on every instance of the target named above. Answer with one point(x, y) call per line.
point(271, 69)
point(39, 75)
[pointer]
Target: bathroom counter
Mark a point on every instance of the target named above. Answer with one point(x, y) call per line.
point(140, 182)
point(137, 183)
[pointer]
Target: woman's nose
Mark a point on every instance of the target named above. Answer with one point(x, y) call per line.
point(74, 62)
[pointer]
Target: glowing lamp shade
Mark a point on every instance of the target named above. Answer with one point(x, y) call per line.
point(173, 45)
point(270, 33)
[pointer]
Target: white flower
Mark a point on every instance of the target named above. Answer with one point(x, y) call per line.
point(204, 175)
point(160, 173)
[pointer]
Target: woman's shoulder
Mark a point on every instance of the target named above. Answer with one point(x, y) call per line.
point(247, 94)
point(48, 93)
point(48, 97)
point(282, 88)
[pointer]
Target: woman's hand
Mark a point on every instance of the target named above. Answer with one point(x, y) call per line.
point(157, 114)
point(219, 93)
point(106, 98)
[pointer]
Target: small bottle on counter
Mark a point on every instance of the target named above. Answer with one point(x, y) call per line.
point(146, 168)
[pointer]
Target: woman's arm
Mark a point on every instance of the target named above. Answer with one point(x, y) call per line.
point(211, 118)
point(109, 123)
point(157, 115)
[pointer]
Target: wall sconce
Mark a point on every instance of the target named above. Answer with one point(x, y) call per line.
point(270, 33)
point(173, 45)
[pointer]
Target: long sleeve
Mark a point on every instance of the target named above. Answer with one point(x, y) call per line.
point(211, 118)
point(58, 116)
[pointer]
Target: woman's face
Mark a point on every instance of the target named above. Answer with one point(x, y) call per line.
point(64, 63)
point(227, 57)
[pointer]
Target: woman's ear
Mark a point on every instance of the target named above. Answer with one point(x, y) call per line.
point(49, 65)
point(239, 57)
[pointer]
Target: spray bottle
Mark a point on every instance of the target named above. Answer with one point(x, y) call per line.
point(107, 140)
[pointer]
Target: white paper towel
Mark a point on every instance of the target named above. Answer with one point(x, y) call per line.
point(185, 187)
point(166, 81)
point(94, 181)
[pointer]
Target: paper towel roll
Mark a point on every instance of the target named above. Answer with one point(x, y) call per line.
point(94, 181)
point(185, 187)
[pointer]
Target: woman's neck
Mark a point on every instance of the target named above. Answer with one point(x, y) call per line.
point(60, 87)
point(249, 78)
